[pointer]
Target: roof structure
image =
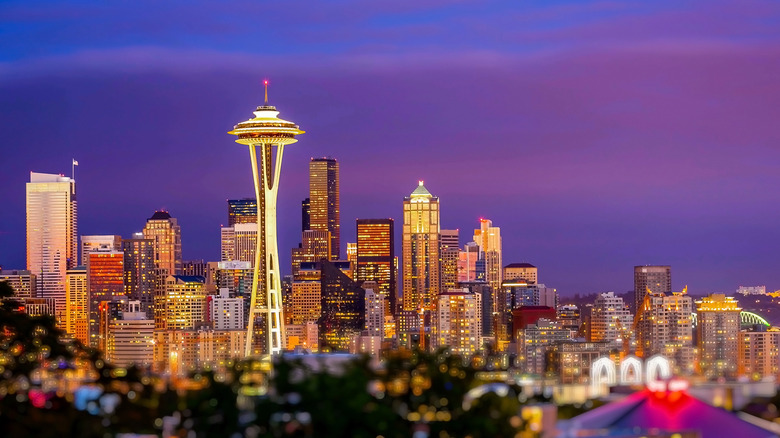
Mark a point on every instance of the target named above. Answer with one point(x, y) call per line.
point(421, 191)
point(160, 215)
point(663, 411)
point(519, 265)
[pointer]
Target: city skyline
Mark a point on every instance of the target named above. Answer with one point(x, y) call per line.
point(654, 147)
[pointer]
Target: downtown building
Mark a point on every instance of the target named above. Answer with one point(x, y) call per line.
point(610, 319)
point(324, 202)
point(665, 327)
point(421, 266)
point(651, 279)
point(139, 271)
point(51, 234)
point(105, 283)
point(131, 338)
point(717, 335)
point(457, 322)
point(165, 231)
point(375, 258)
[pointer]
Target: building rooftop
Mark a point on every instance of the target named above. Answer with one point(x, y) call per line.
point(519, 265)
point(160, 215)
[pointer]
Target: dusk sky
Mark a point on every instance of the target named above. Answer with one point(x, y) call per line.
point(597, 135)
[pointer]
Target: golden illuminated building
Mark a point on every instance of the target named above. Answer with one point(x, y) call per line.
point(52, 246)
point(166, 233)
point(306, 297)
point(315, 246)
point(717, 330)
point(521, 271)
point(421, 268)
point(102, 242)
point(324, 203)
point(77, 309)
point(183, 351)
point(759, 354)
point(457, 322)
point(664, 326)
point(610, 320)
point(180, 303)
point(105, 280)
point(375, 257)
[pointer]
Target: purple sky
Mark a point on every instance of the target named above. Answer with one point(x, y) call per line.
point(597, 135)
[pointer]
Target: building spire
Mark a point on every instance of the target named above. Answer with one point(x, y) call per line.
point(265, 83)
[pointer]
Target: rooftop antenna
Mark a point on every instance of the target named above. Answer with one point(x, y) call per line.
point(265, 83)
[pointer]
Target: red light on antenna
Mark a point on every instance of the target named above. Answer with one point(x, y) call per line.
point(265, 82)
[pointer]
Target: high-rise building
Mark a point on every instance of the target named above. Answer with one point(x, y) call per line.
point(225, 313)
point(457, 322)
point(664, 326)
point(521, 271)
point(523, 293)
point(343, 306)
point(23, 282)
point(488, 238)
point(569, 316)
point(376, 256)
point(717, 334)
point(166, 233)
point(180, 303)
point(239, 242)
point(471, 267)
point(315, 246)
point(105, 281)
point(325, 209)
point(375, 309)
point(421, 267)
point(131, 338)
point(655, 279)
point(305, 215)
point(534, 340)
point(610, 319)
point(759, 353)
point(51, 234)
point(77, 308)
point(450, 253)
point(140, 278)
point(268, 134)
point(242, 211)
point(104, 242)
point(352, 253)
point(306, 295)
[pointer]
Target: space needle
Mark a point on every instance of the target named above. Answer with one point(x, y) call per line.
point(266, 135)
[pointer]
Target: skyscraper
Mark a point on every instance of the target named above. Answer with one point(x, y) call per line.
point(457, 322)
point(268, 134)
point(140, 278)
point(166, 233)
point(488, 238)
point(105, 281)
point(343, 307)
point(51, 234)
point(106, 242)
point(717, 330)
point(656, 279)
point(375, 257)
point(77, 309)
point(315, 246)
point(421, 274)
point(242, 211)
point(665, 326)
point(611, 320)
point(450, 253)
point(305, 215)
point(324, 203)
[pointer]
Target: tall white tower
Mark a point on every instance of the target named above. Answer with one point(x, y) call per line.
point(266, 135)
point(51, 234)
